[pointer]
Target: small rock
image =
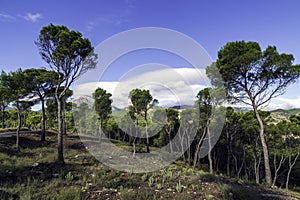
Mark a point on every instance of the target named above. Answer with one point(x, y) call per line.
point(35, 164)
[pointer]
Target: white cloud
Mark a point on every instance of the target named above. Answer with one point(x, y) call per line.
point(285, 103)
point(171, 87)
point(6, 18)
point(32, 17)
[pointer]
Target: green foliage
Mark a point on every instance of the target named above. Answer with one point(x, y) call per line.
point(151, 181)
point(250, 73)
point(60, 46)
point(102, 103)
point(144, 177)
point(159, 186)
point(69, 176)
point(179, 187)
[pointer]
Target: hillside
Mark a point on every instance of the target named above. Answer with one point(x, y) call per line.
point(34, 174)
point(281, 114)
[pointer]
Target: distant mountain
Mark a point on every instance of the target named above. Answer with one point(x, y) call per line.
point(281, 114)
point(181, 107)
point(114, 108)
point(9, 108)
point(84, 99)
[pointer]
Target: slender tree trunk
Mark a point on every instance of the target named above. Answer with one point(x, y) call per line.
point(60, 132)
point(268, 175)
point(189, 150)
point(228, 138)
point(241, 166)
point(182, 144)
point(18, 130)
point(256, 170)
point(64, 119)
point(170, 143)
point(235, 164)
point(198, 148)
point(43, 134)
point(100, 131)
point(257, 161)
point(228, 152)
point(209, 152)
point(277, 168)
point(291, 165)
point(134, 139)
point(3, 116)
point(147, 137)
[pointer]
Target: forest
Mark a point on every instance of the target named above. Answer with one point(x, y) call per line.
point(255, 153)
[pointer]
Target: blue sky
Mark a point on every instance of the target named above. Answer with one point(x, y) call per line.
point(210, 23)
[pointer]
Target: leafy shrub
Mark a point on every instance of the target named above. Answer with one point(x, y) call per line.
point(179, 187)
point(69, 176)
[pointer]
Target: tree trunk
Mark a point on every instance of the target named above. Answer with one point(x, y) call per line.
point(100, 131)
point(268, 175)
point(43, 133)
point(64, 120)
point(277, 168)
point(147, 137)
point(256, 171)
point(60, 132)
point(134, 139)
point(181, 132)
point(228, 154)
point(257, 161)
point(209, 152)
point(170, 143)
point(198, 148)
point(242, 165)
point(18, 130)
point(3, 116)
point(291, 165)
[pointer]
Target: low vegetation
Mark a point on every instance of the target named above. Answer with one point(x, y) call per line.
point(34, 173)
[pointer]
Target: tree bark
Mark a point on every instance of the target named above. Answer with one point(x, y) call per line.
point(134, 139)
point(18, 130)
point(277, 168)
point(229, 152)
point(209, 152)
point(257, 161)
point(242, 165)
point(43, 134)
point(268, 175)
point(198, 147)
point(3, 116)
point(147, 137)
point(291, 165)
point(256, 169)
point(100, 131)
point(60, 132)
point(169, 135)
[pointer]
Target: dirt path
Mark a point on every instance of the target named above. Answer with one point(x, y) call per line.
point(10, 134)
point(278, 196)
